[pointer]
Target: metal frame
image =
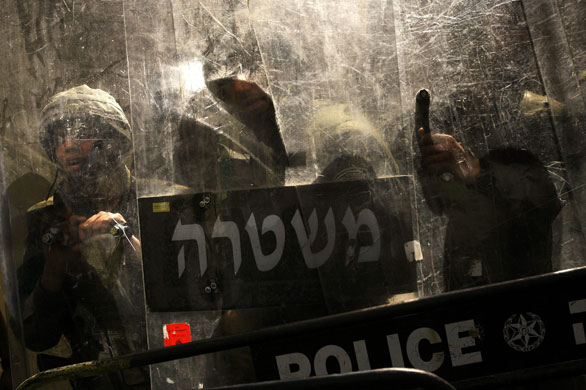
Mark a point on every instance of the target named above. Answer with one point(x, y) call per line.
point(372, 379)
point(303, 328)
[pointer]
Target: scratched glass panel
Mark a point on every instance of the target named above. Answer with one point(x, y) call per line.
point(203, 119)
point(204, 122)
point(572, 13)
point(559, 50)
point(477, 59)
point(49, 48)
point(333, 74)
point(228, 97)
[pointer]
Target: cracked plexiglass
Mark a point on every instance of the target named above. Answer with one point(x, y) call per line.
point(228, 98)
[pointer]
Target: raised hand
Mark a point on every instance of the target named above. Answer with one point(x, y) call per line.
point(442, 155)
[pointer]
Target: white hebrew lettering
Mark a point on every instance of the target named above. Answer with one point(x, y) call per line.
point(192, 232)
point(274, 224)
point(230, 230)
point(365, 218)
point(181, 261)
point(314, 260)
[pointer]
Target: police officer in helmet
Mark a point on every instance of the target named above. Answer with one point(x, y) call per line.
point(82, 273)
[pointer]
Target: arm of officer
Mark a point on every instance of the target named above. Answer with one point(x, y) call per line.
point(102, 223)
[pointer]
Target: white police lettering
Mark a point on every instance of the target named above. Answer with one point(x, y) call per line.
point(413, 350)
point(576, 307)
point(395, 350)
point(460, 336)
point(361, 355)
point(331, 352)
point(286, 364)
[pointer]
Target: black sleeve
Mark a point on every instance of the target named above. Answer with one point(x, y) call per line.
point(502, 219)
point(523, 188)
point(43, 319)
point(43, 312)
point(522, 182)
point(515, 179)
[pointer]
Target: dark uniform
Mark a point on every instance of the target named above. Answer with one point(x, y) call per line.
point(500, 224)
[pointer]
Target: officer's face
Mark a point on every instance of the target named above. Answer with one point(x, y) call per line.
point(72, 154)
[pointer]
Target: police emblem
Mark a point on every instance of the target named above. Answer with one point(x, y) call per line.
point(524, 332)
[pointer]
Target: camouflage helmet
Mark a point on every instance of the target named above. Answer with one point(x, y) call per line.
point(84, 104)
point(339, 130)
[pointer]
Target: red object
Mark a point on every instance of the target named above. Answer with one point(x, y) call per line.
point(174, 334)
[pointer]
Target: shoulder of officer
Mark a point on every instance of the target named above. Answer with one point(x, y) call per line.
point(41, 205)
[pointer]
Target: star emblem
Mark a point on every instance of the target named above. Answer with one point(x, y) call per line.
point(524, 332)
